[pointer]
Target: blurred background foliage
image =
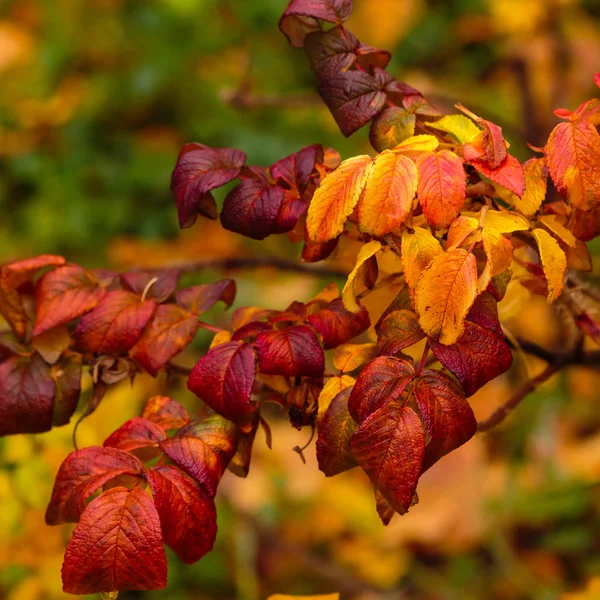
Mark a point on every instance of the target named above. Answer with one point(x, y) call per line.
point(97, 96)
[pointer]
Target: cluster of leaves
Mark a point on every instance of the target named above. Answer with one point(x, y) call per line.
point(450, 205)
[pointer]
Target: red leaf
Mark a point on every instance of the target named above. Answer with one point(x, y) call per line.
point(63, 295)
point(480, 354)
point(251, 208)
point(353, 97)
point(400, 329)
point(67, 379)
point(26, 395)
point(199, 170)
point(115, 325)
point(135, 433)
point(12, 276)
point(203, 450)
point(335, 430)
point(291, 352)
point(165, 412)
point(170, 331)
point(300, 17)
point(164, 285)
point(336, 325)
point(187, 517)
point(296, 169)
point(81, 474)
point(330, 52)
point(509, 174)
point(493, 143)
point(447, 416)
point(117, 546)
point(223, 378)
point(390, 446)
point(250, 331)
point(292, 208)
point(200, 298)
point(316, 251)
point(381, 381)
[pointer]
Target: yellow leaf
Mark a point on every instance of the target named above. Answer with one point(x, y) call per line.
point(221, 337)
point(499, 253)
point(536, 181)
point(348, 293)
point(417, 143)
point(501, 221)
point(554, 262)
point(552, 223)
point(335, 199)
point(461, 127)
point(331, 389)
point(348, 357)
point(388, 196)
point(419, 248)
point(445, 293)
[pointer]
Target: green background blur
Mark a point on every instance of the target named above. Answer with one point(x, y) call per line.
point(96, 98)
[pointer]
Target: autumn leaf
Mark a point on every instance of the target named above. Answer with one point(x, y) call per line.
point(554, 262)
point(330, 52)
point(480, 354)
point(381, 381)
point(292, 352)
point(81, 474)
point(390, 446)
point(459, 126)
point(203, 450)
point(350, 288)
point(337, 325)
point(170, 331)
point(508, 174)
point(388, 194)
point(445, 293)
point(200, 298)
point(419, 248)
point(116, 546)
point(199, 170)
point(573, 158)
point(493, 143)
point(63, 295)
point(188, 517)
point(447, 416)
point(165, 412)
point(135, 433)
point(335, 199)
point(536, 181)
point(115, 325)
point(390, 127)
point(442, 187)
point(52, 343)
point(416, 144)
point(334, 432)
point(460, 231)
point(333, 386)
point(400, 329)
point(158, 284)
point(349, 357)
point(224, 377)
point(67, 380)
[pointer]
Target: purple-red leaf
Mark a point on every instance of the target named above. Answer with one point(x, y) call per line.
point(188, 517)
point(398, 330)
point(117, 546)
point(200, 298)
point(199, 170)
point(295, 170)
point(291, 352)
point(336, 324)
point(135, 433)
point(67, 379)
point(157, 283)
point(223, 378)
point(203, 450)
point(82, 473)
point(381, 381)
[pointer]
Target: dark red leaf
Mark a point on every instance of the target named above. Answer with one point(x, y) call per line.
point(296, 169)
point(135, 433)
point(188, 518)
point(335, 430)
point(390, 446)
point(353, 97)
point(203, 450)
point(291, 352)
point(199, 170)
point(330, 52)
point(250, 331)
point(67, 379)
point(480, 354)
point(26, 395)
point(165, 412)
point(164, 284)
point(381, 381)
point(117, 546)
point(316, 251)
point(447, 416)
point(63, 295)
point(400, 329)
point(200, 298)
point(82, 473)
point(251, 208)
point(337, 325)
point(170, 331)
point(369, 58)
point(292, 208)
point(224, 377)
point(115, 325)
point(300, 17)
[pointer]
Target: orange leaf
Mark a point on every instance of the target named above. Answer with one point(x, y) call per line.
point(509, 174)
point(419, 248)
point(332, 387)
point(442, 187)
point(445, 293)
point(351, 356)
point(335, 199)
point(536, 180)
point(349, 291)
point(554, 262)
point(388, 196)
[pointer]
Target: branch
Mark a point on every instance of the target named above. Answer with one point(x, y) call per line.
point(274, 262)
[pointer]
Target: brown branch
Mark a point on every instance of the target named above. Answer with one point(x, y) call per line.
point(282, 264)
